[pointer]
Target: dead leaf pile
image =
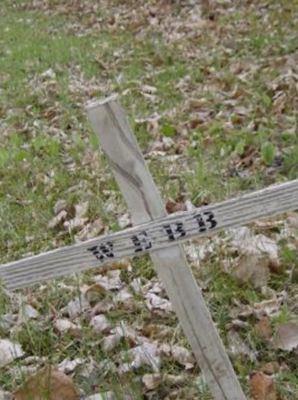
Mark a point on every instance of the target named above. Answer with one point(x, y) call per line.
point(74, 219)
point(257, 256)
point(9, 352)
point(234, 81)
point(262, 387)
point(50, 384)
point(286, 337)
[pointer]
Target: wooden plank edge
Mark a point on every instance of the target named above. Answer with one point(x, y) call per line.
point(76, 258)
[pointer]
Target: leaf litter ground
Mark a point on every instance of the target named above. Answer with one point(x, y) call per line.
point(212, 101)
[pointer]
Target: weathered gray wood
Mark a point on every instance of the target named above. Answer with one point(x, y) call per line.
point(145, 204)
point(231, 213)
point(131, 173)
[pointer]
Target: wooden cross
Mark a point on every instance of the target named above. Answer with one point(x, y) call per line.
point(159, 234)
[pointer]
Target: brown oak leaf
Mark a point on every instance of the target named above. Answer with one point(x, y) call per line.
point(262, 387)
point(47, 384)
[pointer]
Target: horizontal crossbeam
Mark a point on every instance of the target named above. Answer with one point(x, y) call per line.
point(150, 236)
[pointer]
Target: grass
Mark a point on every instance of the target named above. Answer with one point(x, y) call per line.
point(48, 72)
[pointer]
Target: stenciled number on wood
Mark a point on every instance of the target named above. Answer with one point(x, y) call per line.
point(206, 221)
point(103, 251)
point(161, 233)
point(174, 231)
point(142, 241)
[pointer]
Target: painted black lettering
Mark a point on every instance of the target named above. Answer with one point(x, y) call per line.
point(102, 251)
point(169, 232)
point(141, 242)
point(175, 231)
point(201, 222)
point(180, 229)
point(210, 219)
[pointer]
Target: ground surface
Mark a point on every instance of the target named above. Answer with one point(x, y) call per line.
point(212, 102)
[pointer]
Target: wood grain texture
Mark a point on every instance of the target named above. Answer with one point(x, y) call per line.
point(228, 214)
point(122, 150)
point(144, 202)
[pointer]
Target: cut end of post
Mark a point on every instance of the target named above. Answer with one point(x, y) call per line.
point(101, 102)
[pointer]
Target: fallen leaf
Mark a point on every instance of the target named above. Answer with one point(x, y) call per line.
point(102, 306)
point(237, 346)
point(136, 285)
point(244, 240)
point(111, 341)
point(237, 323)
point(269, 307)
point(271, 368)
point(252, 268)
point(58, 220)
point(199, 251)
point(27, 312)
point(18, 372)
point(5, 395)
point(293, 220)
point(63, 325)
point(94, 293)
point(130, 334)
point(100, 324)
point(263, 328)
point(155, 302)
point(88, 369)
point(48, 74)
point(151, 381)
point(123, 296)
point(125, 300)
point(148, 89)
point(59, 206)
point(286, 336)
point(9, 352)
point(81, 209)
point(152, 124)
point(175, 206)
point(157, 331)
point(124, 221)
point(154, 286)
point(262, 309)
point(47, 384)
point(90, 230)
point(71, 218)
point(7, 321)
point(34, 360)
point(145, 354)
point(67, 366)
point(75, 224)
point(258, 255)
point(111, 281)
point(123, 264)
point(102, 396)
point(174, 379)
point(163, 145)
point(183, 356)
point(262, 387)
point(77, 306)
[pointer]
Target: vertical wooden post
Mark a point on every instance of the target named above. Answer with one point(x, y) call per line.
point(143, 199)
